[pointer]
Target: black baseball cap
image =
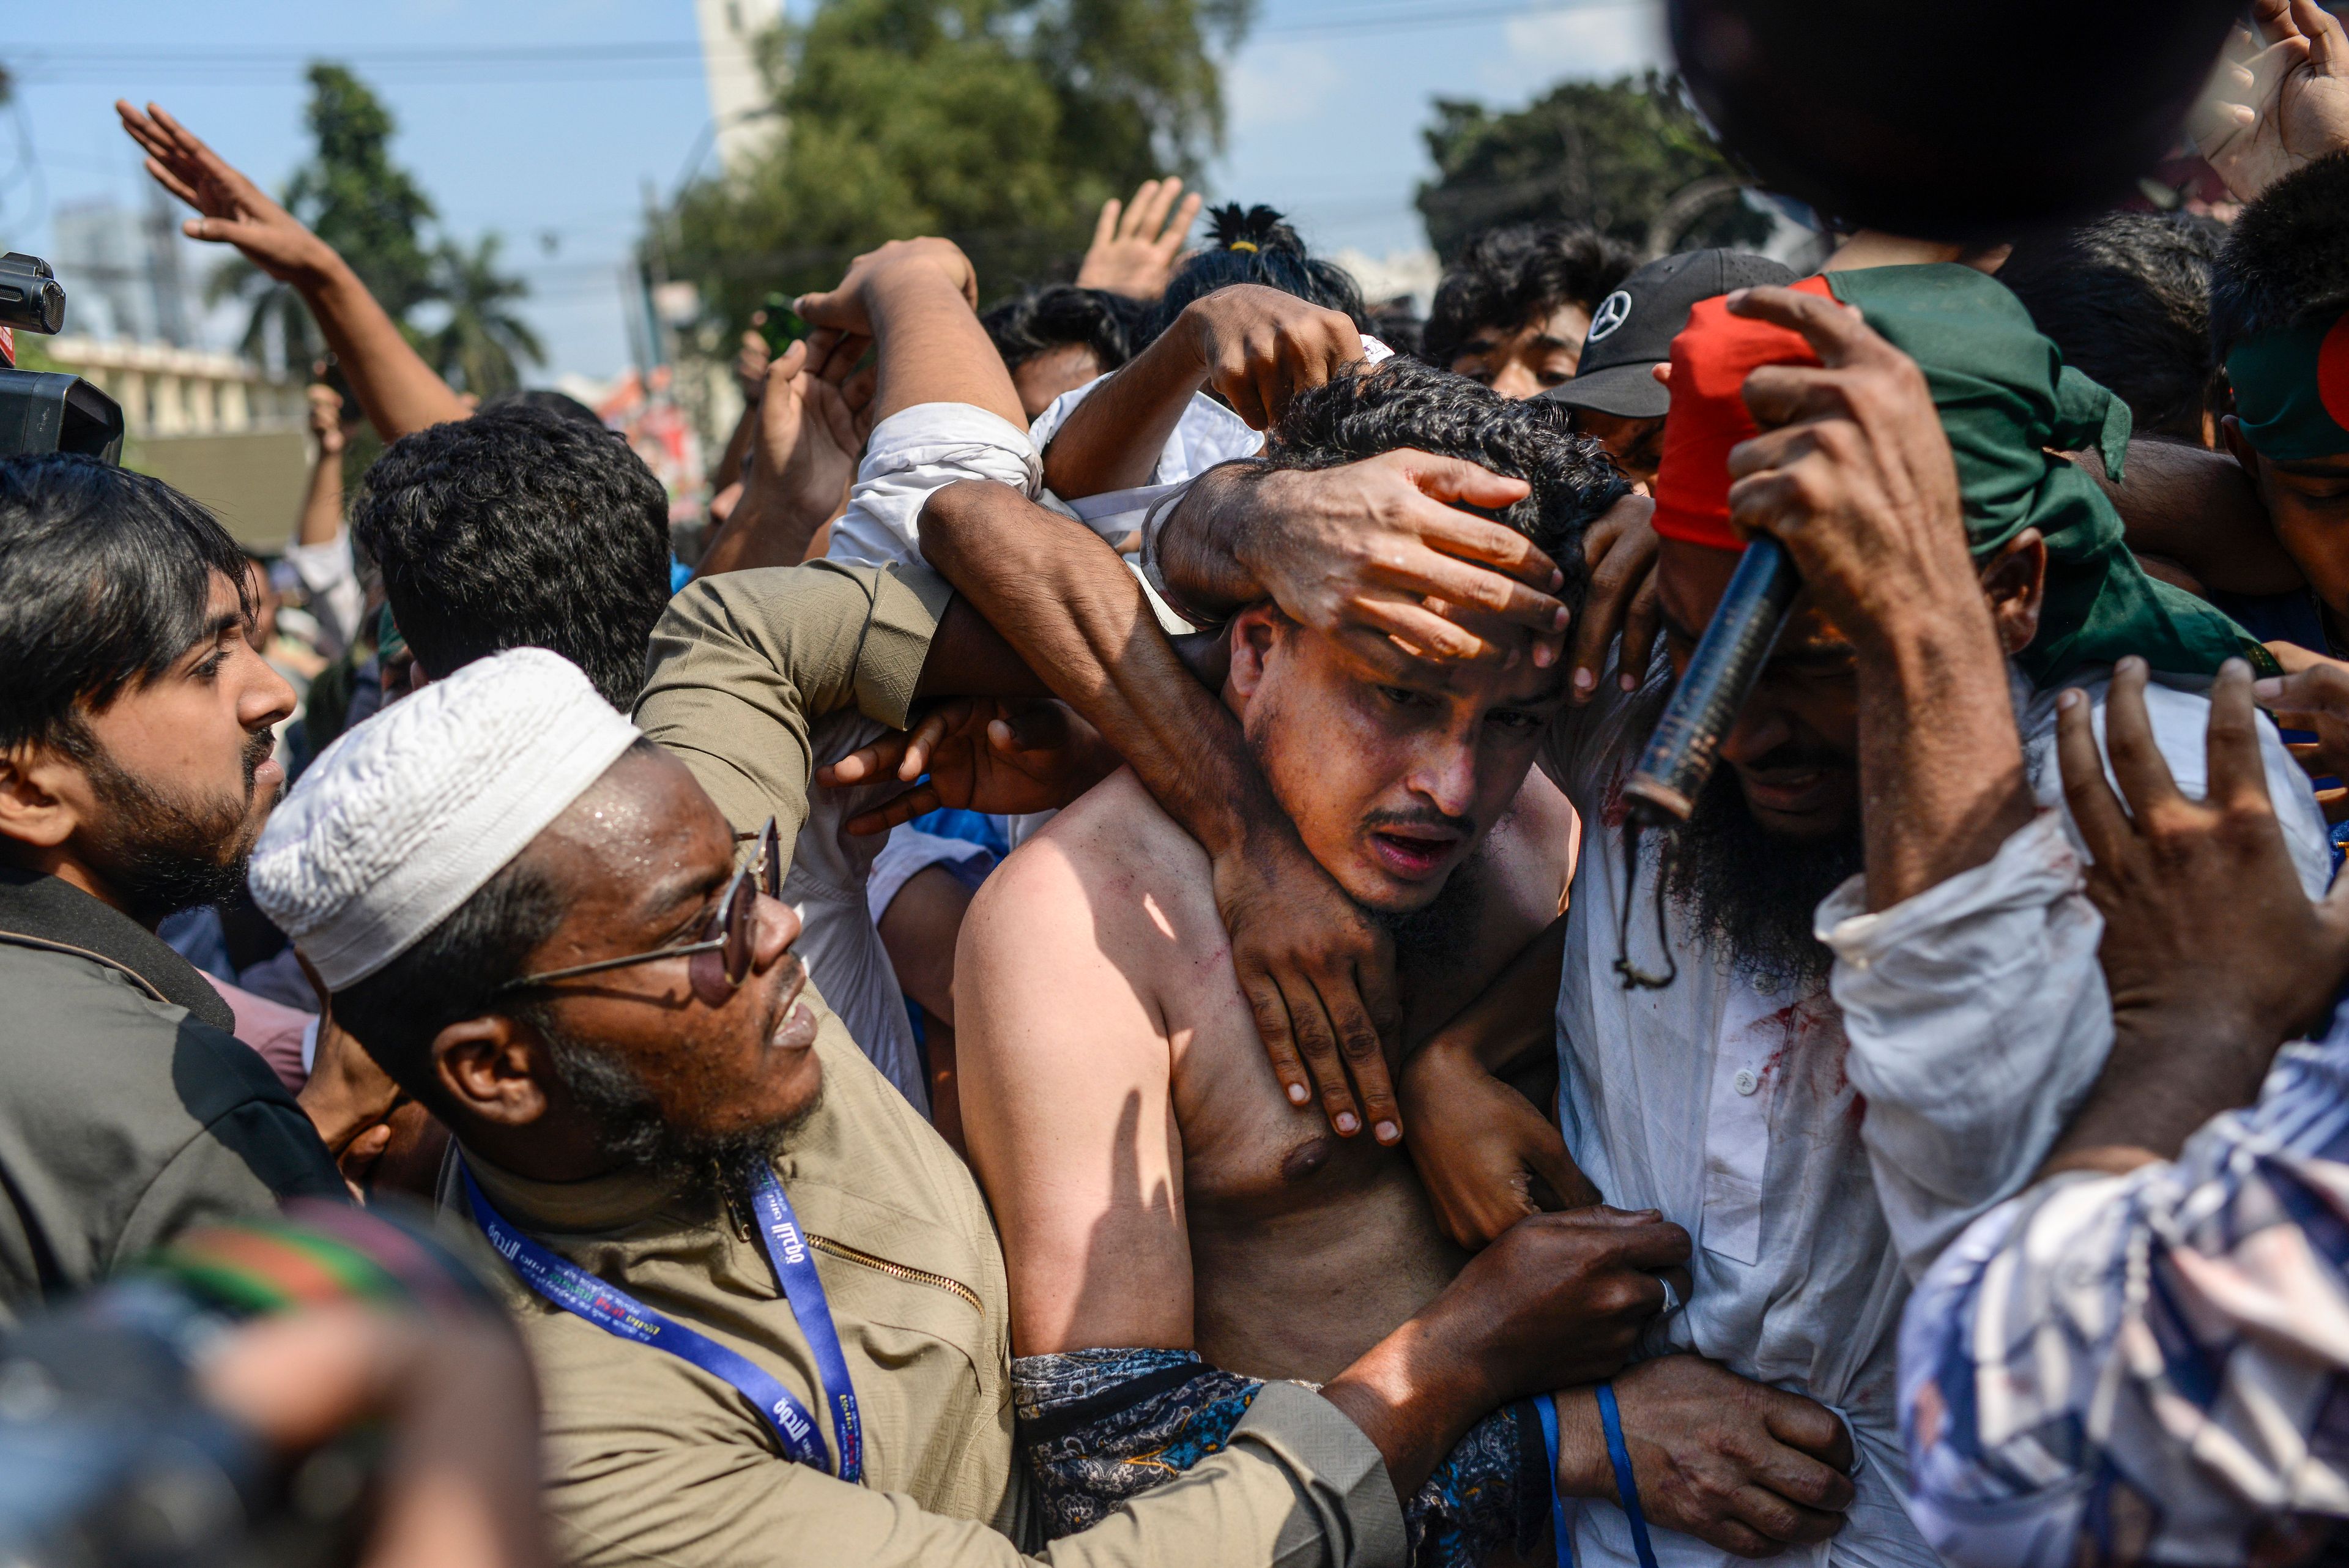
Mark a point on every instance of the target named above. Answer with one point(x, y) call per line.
point(1631, 331)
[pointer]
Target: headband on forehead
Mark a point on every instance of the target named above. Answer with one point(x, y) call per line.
point(1711, 360)
point(2291, 389)
point(2006, 400)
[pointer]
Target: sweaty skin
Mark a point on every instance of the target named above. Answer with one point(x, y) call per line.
point(1153, 1187)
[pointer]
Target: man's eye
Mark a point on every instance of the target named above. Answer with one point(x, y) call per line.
point(1514, 719)
point(1402, 696)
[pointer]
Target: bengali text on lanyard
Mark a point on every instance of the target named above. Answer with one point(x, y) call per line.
point(613, 1310)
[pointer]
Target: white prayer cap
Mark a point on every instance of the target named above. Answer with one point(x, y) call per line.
point(405, 818)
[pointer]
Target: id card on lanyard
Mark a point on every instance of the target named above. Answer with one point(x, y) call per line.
point(613, 1310)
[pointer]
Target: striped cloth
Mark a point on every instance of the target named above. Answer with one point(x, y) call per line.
point(2152, 1368)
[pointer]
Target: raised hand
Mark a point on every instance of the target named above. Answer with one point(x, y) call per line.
point(807, 429)
point(1749, 1468)
point(751, 358)
point(981, 753)
point(235, 209)
point(2213, 953)
point(2282, 101)
point(326, 417)
point(1853, 473)
point(1258, 348)
point(1134, 244)
point(845, 308)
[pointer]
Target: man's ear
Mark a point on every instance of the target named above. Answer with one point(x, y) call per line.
point(489, 1067)
point(1254, 631)
point(2239, 447)
point(36, 796)
point(2015, 582)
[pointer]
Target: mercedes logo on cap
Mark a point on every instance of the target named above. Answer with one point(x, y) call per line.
point(1613, 311)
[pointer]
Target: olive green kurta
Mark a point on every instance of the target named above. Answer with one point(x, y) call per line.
point(651, 1460)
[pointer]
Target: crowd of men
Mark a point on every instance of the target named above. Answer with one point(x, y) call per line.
point(1081, 982)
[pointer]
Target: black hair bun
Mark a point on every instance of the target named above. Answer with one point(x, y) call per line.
point(1259, 226)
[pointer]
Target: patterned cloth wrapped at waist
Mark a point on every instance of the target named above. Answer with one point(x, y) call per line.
point(1098, 1427)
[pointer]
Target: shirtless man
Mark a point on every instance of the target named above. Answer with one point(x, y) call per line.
point(1154, 1190)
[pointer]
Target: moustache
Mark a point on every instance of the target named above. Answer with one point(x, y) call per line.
point(257, 749)
point(1421, 816)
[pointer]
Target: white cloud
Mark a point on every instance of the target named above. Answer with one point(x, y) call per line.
point(1590, 41)
point(1280, 84)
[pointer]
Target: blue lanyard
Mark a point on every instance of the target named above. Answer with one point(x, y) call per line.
point(614, 1310)
point(1561, 1528)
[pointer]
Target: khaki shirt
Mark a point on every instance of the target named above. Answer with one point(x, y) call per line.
point(651, 1460)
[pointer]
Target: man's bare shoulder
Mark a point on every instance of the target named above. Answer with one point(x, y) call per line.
point(1112, 872)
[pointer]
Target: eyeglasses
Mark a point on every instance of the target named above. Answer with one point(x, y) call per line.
point(720, 960)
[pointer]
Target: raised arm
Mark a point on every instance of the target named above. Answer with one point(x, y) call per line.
point(1255, 346)
point(2199, 1006)
point(917, 301)
point(744, 664)
point(321, 517)
point(1854, 475)
point(806, 427)
point(2175, 1242)
point(1317, 972)
point(397, 390)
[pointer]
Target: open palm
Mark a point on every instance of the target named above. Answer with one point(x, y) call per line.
point(2282, 101)
point(236, 211)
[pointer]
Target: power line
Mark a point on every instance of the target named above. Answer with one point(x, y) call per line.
point(647, 59)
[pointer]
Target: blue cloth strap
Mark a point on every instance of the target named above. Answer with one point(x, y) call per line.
point(1627, 1491)
point(613, 1310)
point(1547, 1408)
point(803, 1288)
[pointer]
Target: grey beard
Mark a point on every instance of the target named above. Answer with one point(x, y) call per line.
point(1753, 893)
point(630, 1128)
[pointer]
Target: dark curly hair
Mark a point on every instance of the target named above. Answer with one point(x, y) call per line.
point(1506, 277)
point(1038, 320)
point(1254, 244)
point(2287, 259)
point(520, 527)
point(2127, 299)
point(1405, 403)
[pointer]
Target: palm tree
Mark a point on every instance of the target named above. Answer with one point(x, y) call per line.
point(477, 349)
point(271, 302)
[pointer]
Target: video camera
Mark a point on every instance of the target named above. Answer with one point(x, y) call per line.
point(44, 410)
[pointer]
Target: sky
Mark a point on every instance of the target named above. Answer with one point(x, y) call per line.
point(1326, 100)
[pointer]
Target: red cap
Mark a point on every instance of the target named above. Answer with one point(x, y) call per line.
point(1711, 360)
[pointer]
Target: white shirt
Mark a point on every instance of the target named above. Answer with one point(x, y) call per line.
point(838, 941)
point(1821, 1147)
point(330, 575)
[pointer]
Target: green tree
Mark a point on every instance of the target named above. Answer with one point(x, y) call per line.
point(1630, 158)
point(353, 196)
point(476, 349)
point(1003, 124)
